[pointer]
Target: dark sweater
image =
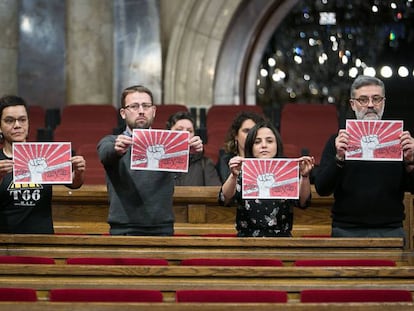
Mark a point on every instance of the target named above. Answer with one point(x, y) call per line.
point(140, 202)
point(222, 165)
point(201, 172)
point(367, 193)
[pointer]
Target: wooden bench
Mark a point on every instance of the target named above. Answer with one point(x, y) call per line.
point(177, 248)
point(173, 277)
point(108, 306)
point(196, 210)
point(169, 279)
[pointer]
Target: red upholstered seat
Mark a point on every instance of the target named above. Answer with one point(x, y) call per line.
point(291, 151)
point(231, 296)
point(85, 124)
point(117, 261)
point(355, 295)
point(231, 262)
point(308, 126)
point(105, 295)
point(36, 120)
point(89, 115)
point(18, 294)
point(26, 260)
point(164, 112)
point(95, 172)
point(344, 262)
point(81, 135)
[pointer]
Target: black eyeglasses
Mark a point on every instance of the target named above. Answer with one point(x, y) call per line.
point(364, 100)
point(135, 107)
point(12, 121)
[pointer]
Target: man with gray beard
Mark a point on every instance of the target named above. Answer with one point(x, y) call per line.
point(368, 194)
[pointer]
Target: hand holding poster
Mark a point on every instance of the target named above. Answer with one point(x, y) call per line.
point(374, 140)
point(43, 163)
point(160, 150)
point(270, 179)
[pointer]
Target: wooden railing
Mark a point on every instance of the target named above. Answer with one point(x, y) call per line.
point(174, 277)
point(169, 279)
point(175, 249)
point(196, 211)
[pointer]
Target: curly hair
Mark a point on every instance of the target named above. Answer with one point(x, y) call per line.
point(230, 145)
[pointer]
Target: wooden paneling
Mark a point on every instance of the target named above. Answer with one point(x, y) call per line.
point(196, 209)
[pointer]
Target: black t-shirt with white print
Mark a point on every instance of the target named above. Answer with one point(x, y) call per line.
point(25, 208)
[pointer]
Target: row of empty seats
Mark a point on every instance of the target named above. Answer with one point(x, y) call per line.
point(199, 261)
point(199, 296)
point(304, 128)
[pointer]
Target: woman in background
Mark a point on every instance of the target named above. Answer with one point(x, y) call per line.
point(201, 170)
point(235, 139)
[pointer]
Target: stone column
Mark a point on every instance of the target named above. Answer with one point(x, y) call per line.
point(138, 46)
point(41, 55)
point(89, 52)
point(8, 46)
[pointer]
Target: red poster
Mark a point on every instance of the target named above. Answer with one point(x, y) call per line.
point(374, 140)
point(270, 179)
point(42, 163)
point(160, 150)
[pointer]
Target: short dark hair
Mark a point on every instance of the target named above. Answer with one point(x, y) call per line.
point(12, 100)
point(181, 115)
point(134, 89)
point(251, 137)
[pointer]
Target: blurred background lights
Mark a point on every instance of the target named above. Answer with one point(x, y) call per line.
point(278, 75)
point(386, 72)
point(321, 46)
point(297, 59)
point(369, 71)
point(353, 72)
point(403, 71)
point(271, 62)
